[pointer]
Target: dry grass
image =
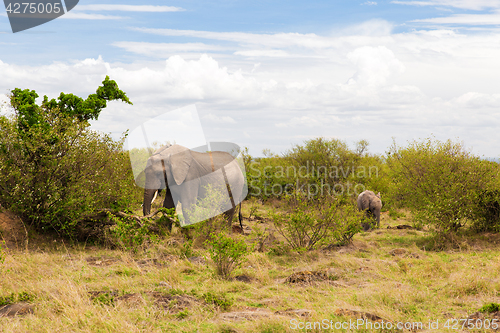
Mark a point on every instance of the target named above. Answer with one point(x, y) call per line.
point(390, 273)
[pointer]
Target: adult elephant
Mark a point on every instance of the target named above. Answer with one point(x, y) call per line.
point(372, 204)
point(188, 176)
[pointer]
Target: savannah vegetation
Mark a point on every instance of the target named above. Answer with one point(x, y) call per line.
point(84, 260)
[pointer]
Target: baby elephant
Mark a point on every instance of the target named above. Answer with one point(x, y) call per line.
point(371, 203)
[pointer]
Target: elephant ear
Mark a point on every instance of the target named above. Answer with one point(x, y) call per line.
point(180, 161)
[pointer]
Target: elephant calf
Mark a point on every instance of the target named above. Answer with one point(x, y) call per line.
point(371, 203)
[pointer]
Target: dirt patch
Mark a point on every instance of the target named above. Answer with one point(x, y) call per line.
point(403, 253)
point(307, 277)
point(17, 309)
point(149, 262)
point(130, 300)
point(260, 313)
point(248, 314)
point(174, 303)
point(12, 229)
point(102, 261)
point(358, 314)
point(110, 297)
point(302, 313)
point(479, 317)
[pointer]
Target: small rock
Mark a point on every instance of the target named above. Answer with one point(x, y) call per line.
point(164, 284)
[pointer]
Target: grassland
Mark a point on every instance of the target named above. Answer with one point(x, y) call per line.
point(386, 274)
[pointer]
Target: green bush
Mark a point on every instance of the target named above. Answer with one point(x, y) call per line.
point(490, 308)
point(54, 170)
point(130, 234)
point(227, 253)
point(307, 223)
point(318, 167)
point(443, 184)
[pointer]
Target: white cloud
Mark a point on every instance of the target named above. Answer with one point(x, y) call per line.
point(84, 16)
point(475, 100)
point(349, 85)
point(270, 40)
point(164, 50)
point(220, 120)
point(475, 19)
point(263, 53)
point(374, 65)
point(369, 3)
point(463, 4)
point(128, 8)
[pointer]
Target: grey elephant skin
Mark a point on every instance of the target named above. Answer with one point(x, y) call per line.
point(372, 204)
point(185, 174)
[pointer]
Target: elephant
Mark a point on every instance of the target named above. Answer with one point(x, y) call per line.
point(372, 204)
point(188, 176)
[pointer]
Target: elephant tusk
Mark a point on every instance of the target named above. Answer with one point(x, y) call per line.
point(154, 198)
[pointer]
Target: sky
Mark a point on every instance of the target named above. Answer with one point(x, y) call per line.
point(271, 74)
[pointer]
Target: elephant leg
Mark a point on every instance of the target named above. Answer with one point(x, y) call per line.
point(169, 201)
point(229, 215)
point(368, 225)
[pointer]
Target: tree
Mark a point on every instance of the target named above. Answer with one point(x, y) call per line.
point(53, 168)
point(444, 184)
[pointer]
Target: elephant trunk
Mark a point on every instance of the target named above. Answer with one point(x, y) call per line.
point(148, 197)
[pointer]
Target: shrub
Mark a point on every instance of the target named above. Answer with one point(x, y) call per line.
point(320, 167)
point(129, 234)
point(54, 170)
point(490, 308)
point(226, 253)
point(307, 222)
point(441, 182)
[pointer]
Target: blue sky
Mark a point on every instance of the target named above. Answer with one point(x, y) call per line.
point(269, 74)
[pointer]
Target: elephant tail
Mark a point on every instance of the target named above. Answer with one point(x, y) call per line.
point(240, 218)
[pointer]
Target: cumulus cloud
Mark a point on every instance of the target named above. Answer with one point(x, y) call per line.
point(374, 65)
point(463, 4)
